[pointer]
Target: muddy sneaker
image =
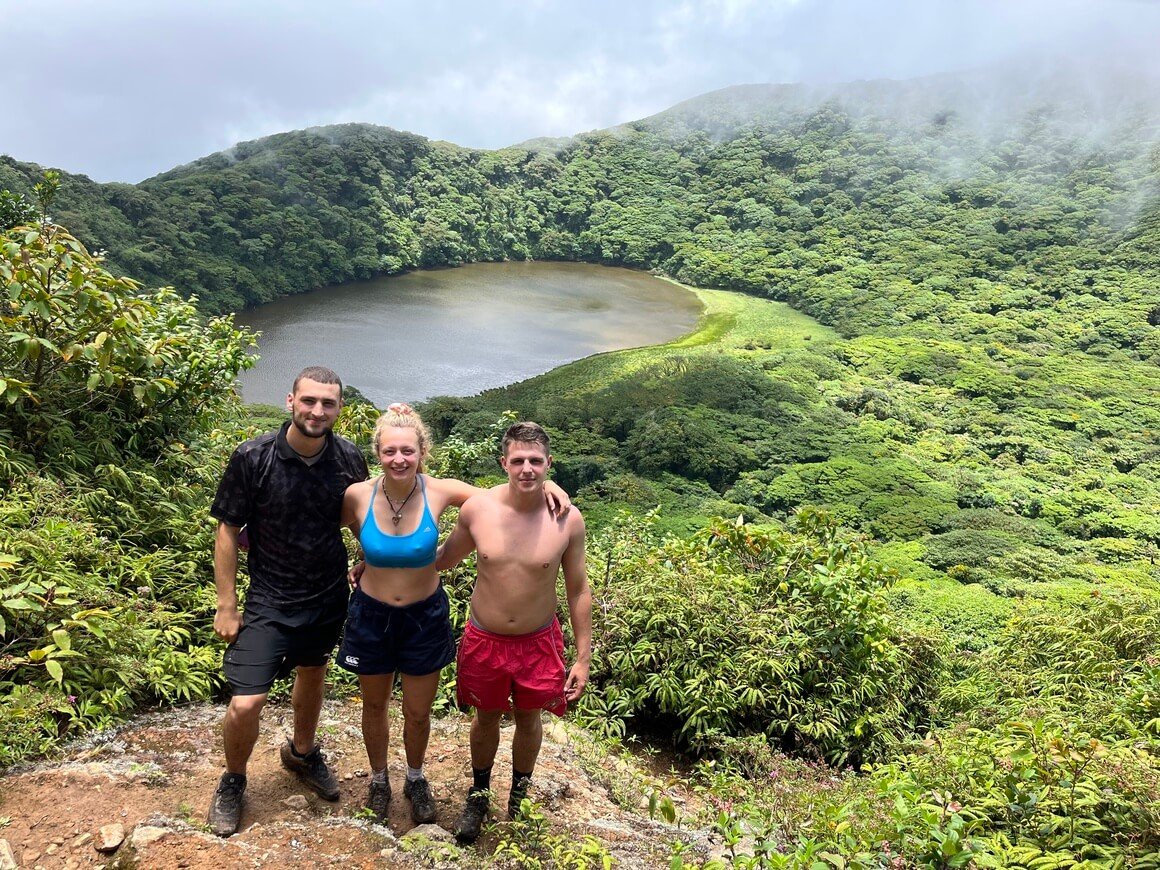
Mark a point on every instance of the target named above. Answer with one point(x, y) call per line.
point(379, 799)
point(422, 803)
point(473, 816)
point(226, 810)
point(311, 769)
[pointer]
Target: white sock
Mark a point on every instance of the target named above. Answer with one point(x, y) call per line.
point(379, 775)
point(414, 773)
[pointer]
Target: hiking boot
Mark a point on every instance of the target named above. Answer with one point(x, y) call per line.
point(311, 769)
point(379, 799)
point(516, 796)
point(225, 812)
point(422, 803)
point(514, 802)
point(473, 816)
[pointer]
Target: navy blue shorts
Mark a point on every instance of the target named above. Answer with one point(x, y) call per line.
point(271, 644)
point(381, 639)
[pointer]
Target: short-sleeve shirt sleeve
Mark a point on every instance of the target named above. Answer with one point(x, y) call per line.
point(233, 503)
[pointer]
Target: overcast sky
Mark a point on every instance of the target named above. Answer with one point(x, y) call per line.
point(123, 89)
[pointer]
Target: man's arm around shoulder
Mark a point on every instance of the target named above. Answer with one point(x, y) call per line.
point(459, 543)
point(579, 605)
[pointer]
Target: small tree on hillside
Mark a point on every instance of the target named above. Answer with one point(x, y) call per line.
point(91, 366)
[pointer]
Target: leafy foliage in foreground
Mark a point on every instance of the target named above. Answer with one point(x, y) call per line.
point(1044, 755)
point(109, 455)
point(93, 369)
point(104, 597)
point(1039, 749)
point(741, 631)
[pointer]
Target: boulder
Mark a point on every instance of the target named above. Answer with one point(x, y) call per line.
point(110, 838)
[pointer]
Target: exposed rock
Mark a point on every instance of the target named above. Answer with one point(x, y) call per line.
point(144, 834)
point(430, 832)
point(161, 841)
point(7, 859)
point(721, 852)
point(160, 760)
point(110, 838)
point(611, 829)
point(558, 732)
point(550, 790)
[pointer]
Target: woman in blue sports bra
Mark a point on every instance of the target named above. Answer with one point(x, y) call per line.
point(399, 618)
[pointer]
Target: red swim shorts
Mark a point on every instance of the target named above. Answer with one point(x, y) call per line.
point(496, 669)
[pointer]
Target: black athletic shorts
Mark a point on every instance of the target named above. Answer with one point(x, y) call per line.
point(272, 643)
point(381, 639)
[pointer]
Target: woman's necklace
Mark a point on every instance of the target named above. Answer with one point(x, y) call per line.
point(397, 512)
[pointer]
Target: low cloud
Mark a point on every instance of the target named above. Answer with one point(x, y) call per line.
point(134, 88)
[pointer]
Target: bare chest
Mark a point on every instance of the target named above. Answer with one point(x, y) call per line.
point(511, 542)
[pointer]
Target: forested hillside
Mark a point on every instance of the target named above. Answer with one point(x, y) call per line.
point(933, 408)
point(748, 188)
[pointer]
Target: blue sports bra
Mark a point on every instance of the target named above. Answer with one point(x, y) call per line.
point(416, 550)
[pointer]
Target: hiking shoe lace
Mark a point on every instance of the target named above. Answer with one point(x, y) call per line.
point(422, 801)
point(225, 812)
point(312, 770)
point(472, 818)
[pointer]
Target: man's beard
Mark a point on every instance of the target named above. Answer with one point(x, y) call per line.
point(302, 422)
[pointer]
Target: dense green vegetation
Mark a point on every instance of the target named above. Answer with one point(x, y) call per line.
point(109, 450)
point(934, 405)
point(814, 662)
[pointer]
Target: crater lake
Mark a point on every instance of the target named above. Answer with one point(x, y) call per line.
point(463, 330)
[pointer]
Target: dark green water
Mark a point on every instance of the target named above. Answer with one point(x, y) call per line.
point(459, 331)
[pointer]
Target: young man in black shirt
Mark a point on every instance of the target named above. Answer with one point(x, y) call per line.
point(285, 489)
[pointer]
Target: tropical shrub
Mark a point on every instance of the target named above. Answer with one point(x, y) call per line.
point(91, 368)
point(742, 630)
point(118, 409)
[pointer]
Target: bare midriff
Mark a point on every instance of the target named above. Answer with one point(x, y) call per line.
point(399, 587)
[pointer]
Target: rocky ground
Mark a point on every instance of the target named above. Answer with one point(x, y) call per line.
point(138, 798)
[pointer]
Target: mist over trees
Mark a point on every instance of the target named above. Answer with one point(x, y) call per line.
point(747, 188)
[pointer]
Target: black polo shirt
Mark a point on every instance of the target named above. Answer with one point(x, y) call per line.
point(291, 511)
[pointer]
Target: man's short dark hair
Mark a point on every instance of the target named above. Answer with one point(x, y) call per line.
point(526, 433)
point(321, 374)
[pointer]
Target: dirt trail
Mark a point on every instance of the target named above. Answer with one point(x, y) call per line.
point(155, 777)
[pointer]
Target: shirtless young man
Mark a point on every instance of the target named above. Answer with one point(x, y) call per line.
point(398, 620)
point(512, 648)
